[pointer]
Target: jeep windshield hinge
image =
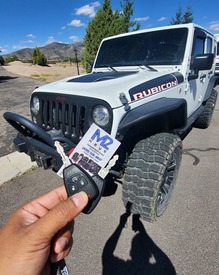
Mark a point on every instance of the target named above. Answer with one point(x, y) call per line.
point(124, 101)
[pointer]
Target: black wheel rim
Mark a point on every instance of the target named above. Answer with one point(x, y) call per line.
point(167, 183)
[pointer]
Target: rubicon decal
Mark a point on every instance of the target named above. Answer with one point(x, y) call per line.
point(156, 85)
point(155, 89)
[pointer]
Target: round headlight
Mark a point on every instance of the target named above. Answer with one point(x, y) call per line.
point(101, 115)
point(35, 105)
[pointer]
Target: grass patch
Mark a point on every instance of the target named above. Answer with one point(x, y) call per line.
point(43, 77)
point(35, 75)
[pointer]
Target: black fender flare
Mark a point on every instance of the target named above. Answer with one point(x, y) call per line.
point(214, 81)
point(171, 111)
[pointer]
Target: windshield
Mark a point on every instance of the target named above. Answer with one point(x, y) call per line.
point(217, 48)
point(164, 47)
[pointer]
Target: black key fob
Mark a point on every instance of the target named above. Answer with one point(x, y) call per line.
point(76, 179)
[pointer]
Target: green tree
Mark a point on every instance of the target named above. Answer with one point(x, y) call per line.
point(11, 58)
point(106, 23)
point(187, 17)
point(38, 57)
point(182, 17)
point(126, 17)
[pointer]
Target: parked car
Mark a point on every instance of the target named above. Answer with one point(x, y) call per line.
point(2, 61)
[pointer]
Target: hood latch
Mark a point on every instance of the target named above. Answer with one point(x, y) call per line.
point(124, 101)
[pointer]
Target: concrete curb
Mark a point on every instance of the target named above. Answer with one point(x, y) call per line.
point(13, 165)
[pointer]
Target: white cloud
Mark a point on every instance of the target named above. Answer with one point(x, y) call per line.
point(214, 26)
point(142, 18)
point(28, 41)
point(162, 19)
point(18, 47)
point(63, 28)
point(74, 38)
point(50, 40)
point(89, 9)
point(30, 35)
point(3, 50)
point(76, 23)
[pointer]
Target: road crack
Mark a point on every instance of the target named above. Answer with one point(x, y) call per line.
point(196, 158)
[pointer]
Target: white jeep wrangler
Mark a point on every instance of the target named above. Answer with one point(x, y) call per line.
point(147, 89)
point(217, 55)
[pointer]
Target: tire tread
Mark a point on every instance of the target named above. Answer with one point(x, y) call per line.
point(144, 172)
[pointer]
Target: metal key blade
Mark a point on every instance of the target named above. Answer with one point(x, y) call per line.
point(103, 173)
point(66, 161)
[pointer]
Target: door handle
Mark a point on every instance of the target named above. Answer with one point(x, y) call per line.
point(202, 78)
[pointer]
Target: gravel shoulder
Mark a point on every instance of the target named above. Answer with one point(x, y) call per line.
point(49, 73)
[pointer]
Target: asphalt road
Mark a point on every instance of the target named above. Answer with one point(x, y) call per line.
point(185, 240)
point(15, 91)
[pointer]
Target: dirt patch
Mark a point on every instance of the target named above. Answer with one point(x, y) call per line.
point(48, 73)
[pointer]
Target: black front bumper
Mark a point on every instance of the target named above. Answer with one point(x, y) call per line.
point(43, 154)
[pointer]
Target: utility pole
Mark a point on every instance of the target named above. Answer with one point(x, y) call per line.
point(76, 58)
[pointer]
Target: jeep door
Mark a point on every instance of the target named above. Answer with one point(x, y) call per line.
point(202, 44)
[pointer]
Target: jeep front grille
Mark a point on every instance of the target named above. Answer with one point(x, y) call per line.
point(70, 114)
point(70, 119)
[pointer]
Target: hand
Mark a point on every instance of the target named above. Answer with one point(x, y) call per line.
point(40, 232)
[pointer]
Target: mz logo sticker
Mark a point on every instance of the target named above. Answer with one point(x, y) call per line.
point(104, 141)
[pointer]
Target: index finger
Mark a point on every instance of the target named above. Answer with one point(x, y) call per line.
point(37, 208)
point(43, 204)
point(52, 198)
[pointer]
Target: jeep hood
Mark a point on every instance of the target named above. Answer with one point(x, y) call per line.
point(109, 85)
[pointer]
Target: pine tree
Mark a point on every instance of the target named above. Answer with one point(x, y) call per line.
point(182, 18)
point(178, 17)
point(126, 17)
point(187, 17)
point(105, 23)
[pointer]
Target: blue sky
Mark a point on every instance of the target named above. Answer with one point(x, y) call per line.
point(30, 23)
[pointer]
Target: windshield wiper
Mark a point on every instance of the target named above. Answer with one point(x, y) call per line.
point(107, 66)
point(145, 65)
point(150, 68)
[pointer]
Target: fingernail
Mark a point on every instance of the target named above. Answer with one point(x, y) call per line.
point(59, 256)
point(56, 257)
point(61, 244)
point(80, 199)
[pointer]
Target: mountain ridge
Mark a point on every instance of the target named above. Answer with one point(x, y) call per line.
point(52, 51)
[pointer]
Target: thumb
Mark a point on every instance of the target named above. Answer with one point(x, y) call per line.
point(61, 215)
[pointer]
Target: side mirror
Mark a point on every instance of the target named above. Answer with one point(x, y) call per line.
point(202, 62)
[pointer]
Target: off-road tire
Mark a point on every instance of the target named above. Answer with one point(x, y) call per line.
point(204, 120)
point(151, 174)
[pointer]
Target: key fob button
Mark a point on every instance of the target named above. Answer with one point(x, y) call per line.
point(82, 182)
point(74, 179)
point(73, 187)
